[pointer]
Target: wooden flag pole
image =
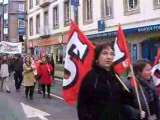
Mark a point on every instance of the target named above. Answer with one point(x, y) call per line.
point(136, 89)
point(122, 83)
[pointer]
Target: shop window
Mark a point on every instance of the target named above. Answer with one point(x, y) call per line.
point(156, 4)
point(107, 9)
point(131, 7)
point(87, 11)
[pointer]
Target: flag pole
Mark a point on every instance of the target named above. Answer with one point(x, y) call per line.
point(136, 89)
point(119, 79)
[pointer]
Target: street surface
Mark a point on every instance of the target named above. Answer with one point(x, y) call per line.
point(14, 105)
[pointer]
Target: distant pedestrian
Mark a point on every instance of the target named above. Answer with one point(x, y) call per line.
point(28, 77)
point(4, 74)
point(45, 72)
point(17, 67)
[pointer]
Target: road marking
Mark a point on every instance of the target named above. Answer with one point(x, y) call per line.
point(57, 96)
point(33, 112)
point(57, 79)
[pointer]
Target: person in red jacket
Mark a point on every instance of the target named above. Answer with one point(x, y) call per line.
point(45, 70)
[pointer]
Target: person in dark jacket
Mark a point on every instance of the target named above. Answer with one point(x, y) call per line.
point(17, 67)
point(147, 91)
point(101, 95)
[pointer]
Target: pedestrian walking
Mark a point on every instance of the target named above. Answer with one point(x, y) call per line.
point(101, 95)
point(4, 74)
point(28, 77)
point(45, 72)
point(17, 67)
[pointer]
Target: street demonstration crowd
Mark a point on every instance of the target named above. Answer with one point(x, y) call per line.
point(29, 70)
point(102, 96)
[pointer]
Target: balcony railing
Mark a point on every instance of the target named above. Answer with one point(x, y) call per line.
point(44, 3)
point(44, 32)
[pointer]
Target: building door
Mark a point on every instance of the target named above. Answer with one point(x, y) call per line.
point(149, 48)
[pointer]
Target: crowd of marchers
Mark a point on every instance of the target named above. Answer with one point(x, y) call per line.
point(102, 96)
point(31, 71)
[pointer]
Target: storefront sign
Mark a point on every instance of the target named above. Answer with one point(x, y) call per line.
point(126, 31)
point(10, 48)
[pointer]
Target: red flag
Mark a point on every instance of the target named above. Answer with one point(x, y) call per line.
point(78, 60)
point(133, 82)
point(121, 59)
point(156, 68)
point(157, 56)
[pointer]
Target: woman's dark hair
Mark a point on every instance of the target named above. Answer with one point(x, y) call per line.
point(98, 49)
point(26, 60)
point(139, 66)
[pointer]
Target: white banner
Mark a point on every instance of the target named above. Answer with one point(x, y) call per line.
point(10, 47)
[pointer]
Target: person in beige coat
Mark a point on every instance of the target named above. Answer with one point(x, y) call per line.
point(28, 77)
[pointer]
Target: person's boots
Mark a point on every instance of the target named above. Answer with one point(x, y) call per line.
point(49, 96)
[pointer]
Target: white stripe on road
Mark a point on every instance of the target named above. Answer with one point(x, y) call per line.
point(57, 79)
point(57, 97)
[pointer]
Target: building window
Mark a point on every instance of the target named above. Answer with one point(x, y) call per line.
point(37, 24)
point(21, 7)
point(66, 13)
point(55, 17)
point(37, 2)
point(107, 9)
point(46, 19)
point(31, 26)
point(21, 23)
point(30, 4)
point(87, 11)
point(156, 4)
point(5, 23)
point(5, 8)
point(131, 7)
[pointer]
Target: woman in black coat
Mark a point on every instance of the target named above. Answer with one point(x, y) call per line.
point(147, 91)
point(101, 95)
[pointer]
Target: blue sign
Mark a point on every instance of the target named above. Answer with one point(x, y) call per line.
point(126, 31)
point(101, 25)
point(134, 53)
point(75, 2)
point(21, 31)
